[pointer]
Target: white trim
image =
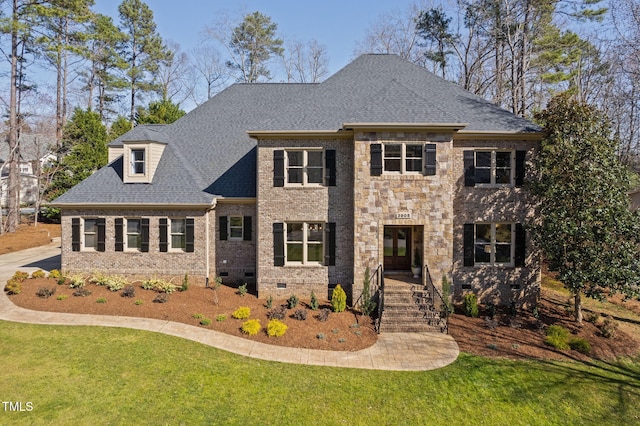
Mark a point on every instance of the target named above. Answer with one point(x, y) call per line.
point(305, 244)
point(304, 168)
point(170, 234)
point(241, 227)
point(83, 235)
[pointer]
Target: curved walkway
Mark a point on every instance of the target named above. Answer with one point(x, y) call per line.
point(392, 351)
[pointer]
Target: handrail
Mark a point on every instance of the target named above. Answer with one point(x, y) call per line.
point(376, 285)
point(436, 297)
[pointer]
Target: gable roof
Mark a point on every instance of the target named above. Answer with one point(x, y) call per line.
point(210, 154)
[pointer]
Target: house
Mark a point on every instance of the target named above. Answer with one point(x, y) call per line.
point(299, 187)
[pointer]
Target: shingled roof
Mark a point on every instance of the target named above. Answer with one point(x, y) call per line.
point(209, 153)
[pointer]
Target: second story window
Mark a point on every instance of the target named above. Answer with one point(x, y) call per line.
point(304, 167)
point(403, 158)
point(493, 167)
point(137, 161)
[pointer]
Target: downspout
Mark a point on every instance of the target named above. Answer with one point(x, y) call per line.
point(208, 242)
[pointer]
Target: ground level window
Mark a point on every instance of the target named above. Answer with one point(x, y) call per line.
point(304, 242)
point(134, 233)
point(236, 229)
point(90, 233)
point(494, 243)
point(178, 234)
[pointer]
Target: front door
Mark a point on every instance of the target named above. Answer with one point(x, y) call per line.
point(397, 248)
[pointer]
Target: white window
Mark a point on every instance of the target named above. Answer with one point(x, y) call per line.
point(494, 167)
point(305, 243)
point(494, 243)
point(403, 158)
point(304, 167)
point(137, 161)
point(134, 234)
point(236, 227)
point(90, 232)
point(178, 234)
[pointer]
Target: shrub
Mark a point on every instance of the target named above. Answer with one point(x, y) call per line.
point(101, 300)
point(313, 304)
point(20, 276)
point(323, 315)
point(13, 286)
point(185, 283)
point(446, 294)
point(62, 297)
point(609, 327)
point(221, 317)
point(251, 327)
point(320, 336)
point(491, 309)
point(276, 328)
point(99, 278)
point(338, 299)
point(38, 274)
point(579, 344)
point(198, 316)
point(300, 314)
point(558, 337)
point(278, 313)
point(116, 283)
point(138, 302)
point(55, 274)
point(470, 307)
point(367, 306)
point(129, 291)
point(242, 290)
point(269, 303)
point(76, 281)
point(205, 321)
point(45, 292)
point(159, 285)
point(82, 292)
point(342, 340)
point(292, 301)
point(61, 280)
point(161, 298)
point(243, 312)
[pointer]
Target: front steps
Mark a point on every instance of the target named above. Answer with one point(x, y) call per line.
point(408, 308)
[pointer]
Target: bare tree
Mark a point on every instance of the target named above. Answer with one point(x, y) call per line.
point(306, 63)
point(208, 68)
point(174, 75)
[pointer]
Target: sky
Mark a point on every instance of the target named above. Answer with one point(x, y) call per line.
point(337, 24)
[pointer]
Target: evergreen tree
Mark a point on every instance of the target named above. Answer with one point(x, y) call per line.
point(119, 127)
point(586, 230)
point(433, 27)
point(160, 112)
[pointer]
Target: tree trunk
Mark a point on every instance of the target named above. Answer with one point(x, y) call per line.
point(13, 180)
point(578, 307)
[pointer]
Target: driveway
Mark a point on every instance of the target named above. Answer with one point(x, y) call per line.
point(29, 260)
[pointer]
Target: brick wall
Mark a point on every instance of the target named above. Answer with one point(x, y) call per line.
point(235, 260)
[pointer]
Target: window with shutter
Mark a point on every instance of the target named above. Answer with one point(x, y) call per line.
point(75, 234)
point(278, 168)
point(164, 235)
point(376, 159)
point(430, 159)
point(190, 235)
point(278, 244)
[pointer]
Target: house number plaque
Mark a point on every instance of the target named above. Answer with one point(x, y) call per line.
point(403, 215)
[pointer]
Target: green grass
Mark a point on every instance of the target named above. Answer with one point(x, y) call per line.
point(95, 375)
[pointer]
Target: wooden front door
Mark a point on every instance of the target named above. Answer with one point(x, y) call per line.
point(397, 248)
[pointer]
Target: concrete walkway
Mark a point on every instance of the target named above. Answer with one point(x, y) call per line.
point(392, 351)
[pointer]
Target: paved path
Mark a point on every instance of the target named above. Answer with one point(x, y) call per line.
point(392, 351)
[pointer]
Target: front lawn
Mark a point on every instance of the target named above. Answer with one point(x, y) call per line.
point(95, 375)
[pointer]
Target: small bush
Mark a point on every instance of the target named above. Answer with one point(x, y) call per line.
point(323, 315)
point(45, 292)
point(276, 328)
point(221, 318)
point(592, 317)
point(491, 309)
point(138, 302)
point(76, 281)
point(558, 337)
point(470, 307)
point(116, 283)
point(609, 328)
point(320, 336)
point(129, 291)
point(20, 276)
point(205, 321)
point(55, 274)
point(82, 292)
point(243, 312)
point(313, 304)
point(579, 344)
point(300, 314)
point(198, 316)
point(342, 340)
point(185, 283)
point(338, 299)
point(101, 300)
point(269, 302)
point(99, 278)
point(335, 331)
point(13, 286)
point(61, 280)
point(242, 290)
point(161, 298)
point(159, 285)
point(251, 327)
point(62, 297)
point(278, 313)
point(38, 274)
point(292, 301)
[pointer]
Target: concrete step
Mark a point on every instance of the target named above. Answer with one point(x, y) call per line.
point(410, 328)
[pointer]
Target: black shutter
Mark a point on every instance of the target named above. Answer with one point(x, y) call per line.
point(376, 159)
point(330, 165)
point(278, 167)
point(223, 231)
point(246, 228)
point(430, 159)
point(520, 167)
point(330, 244)
point(144, 235)
point(469, 244)
point(119, 225)
point(164, 235)
point(278, 244)
point(189, 231)
point(101, 223)
point(521, 244)
point(469, 168)
point(75, 234)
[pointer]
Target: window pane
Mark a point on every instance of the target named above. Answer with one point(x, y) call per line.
point(414, 165)
point(483, 243)
point(90, 225)
point(315, 252)
point(295, 158)
point(294, 232)
point(90, 240)
point(483, 175)
point(314, 175)
point(133, 226)
point(314, 158)
point(295, 176)
point(503, 159)
point(402, 243)
point(133, 241)
point(294, 252)
point(483, 159)
point(235, 233)
point(138, 168)
point(138, 154)
point(178, 241)
point(314, 232)
point(392, 165)
point(503, 253)
point(388, 241)
point(393, 150)
point(503, 233)
point(178, 226)
point(503, 175)
point(414, 151)
point(235, 220)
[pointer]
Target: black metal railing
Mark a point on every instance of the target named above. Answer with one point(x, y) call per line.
point(376, 292)
point(437, 302)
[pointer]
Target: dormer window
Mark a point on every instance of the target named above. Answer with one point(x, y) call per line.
point(137, 161)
